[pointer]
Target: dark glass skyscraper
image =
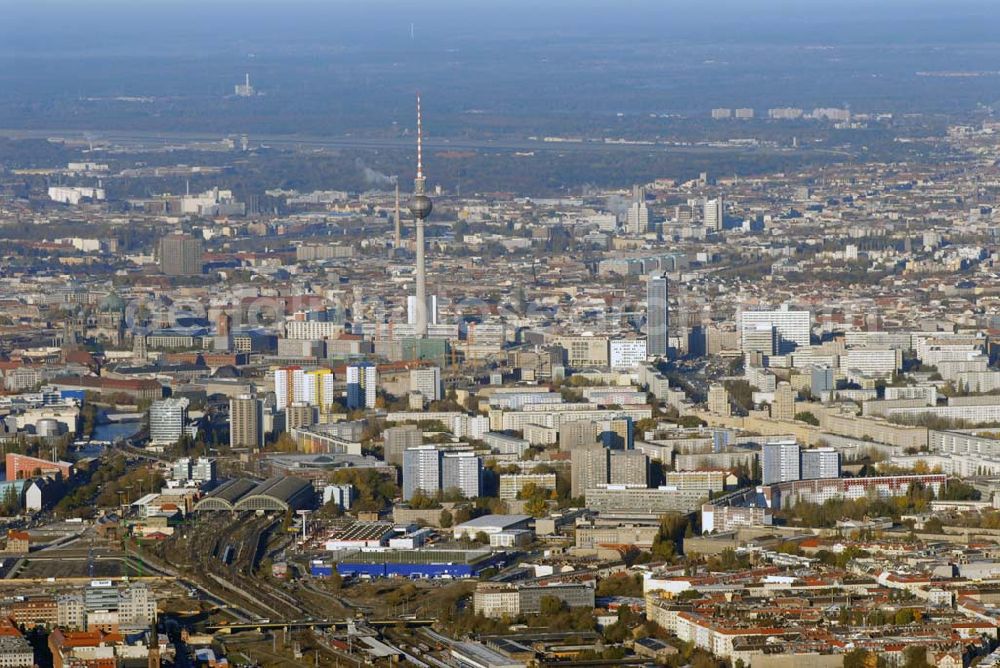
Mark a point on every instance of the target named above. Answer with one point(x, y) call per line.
point(657, 316)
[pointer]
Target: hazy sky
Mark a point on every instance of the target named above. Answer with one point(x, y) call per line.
point(33, 24)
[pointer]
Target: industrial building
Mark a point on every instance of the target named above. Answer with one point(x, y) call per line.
point(420, 563)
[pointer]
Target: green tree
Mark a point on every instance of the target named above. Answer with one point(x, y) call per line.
point(336, 580)
point(915, 657)
point(620, 584)
point(421, 501)
point(669, 537)
point(934, 525)
point(808, 417)
point(856, 658)
point(551, 606)
point(446, 519)
point(463, 514)
point(536, 507)
point(691, 421)
point(11, 503)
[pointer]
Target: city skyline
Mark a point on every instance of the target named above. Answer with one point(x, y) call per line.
point(682, 349)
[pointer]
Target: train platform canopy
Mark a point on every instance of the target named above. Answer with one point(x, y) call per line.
point(280, 493)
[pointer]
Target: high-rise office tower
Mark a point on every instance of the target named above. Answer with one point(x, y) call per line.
point(637, 218)
point(421, 471)
point(420, 207)
point(362, 384)
point(167, 418)
point(589, 468)
point(578, 433)
point(462, 471)
point(317, 389)
point(780, 462)
point(820, 463)
point(628, 467)
point(427, 381)
point(180, 255)
point(289, 386)
point(398, 439)
point(617, 433)
point(821, 380)
point(792, 328)
point(246, 422)
point(714, 213)
point(761, 338)
point(657, 316)
point(718, 400)
point(430, 312)
point(299, 414)
point(783, 406)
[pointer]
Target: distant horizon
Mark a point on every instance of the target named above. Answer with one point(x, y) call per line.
point(523, 68)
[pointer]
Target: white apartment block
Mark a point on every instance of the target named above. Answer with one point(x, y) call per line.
point(928, 393)
point(978, 381)
point(950, 369)
point(312, 330)
point(470, 426)
point(871, 362)
point(793, 327)
point(511, 484)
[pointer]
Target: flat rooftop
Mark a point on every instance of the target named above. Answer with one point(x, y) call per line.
point(485, 521)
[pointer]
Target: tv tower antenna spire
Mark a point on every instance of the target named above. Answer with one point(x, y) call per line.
point(420, 143)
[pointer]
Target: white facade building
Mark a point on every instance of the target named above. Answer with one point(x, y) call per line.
point(167, 418)
point(714, 213)
point(432, 310)
point(312, 330)
point(871, 362)
point(470, 426)
point(780, 462)
point(626, 353)
point(793, 327)
point(637, 218)
point(427, 382)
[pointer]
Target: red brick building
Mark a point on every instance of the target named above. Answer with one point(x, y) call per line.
point(23, 466)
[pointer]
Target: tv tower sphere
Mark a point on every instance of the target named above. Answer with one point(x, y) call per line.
point(421, 206)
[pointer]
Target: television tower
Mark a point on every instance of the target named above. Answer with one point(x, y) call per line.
point(399, 229)
point(420, 207)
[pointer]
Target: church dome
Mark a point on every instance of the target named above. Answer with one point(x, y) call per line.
point(112, 303)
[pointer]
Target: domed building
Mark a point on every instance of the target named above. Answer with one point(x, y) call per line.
point(112, 303)
point(109, 321)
